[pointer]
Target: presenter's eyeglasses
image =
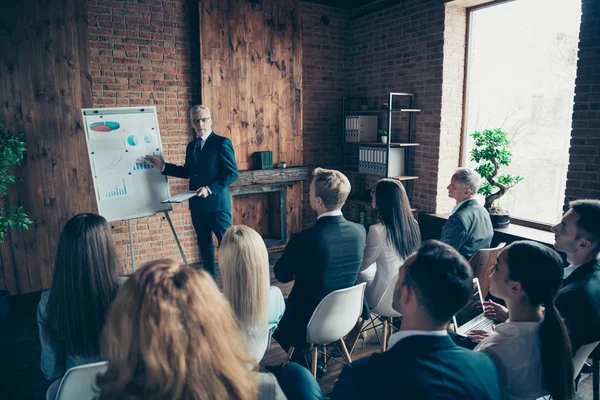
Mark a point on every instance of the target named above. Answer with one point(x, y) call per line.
point(198, 120)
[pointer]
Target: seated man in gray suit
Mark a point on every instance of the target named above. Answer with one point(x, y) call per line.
point(469, 228)
point(421, 361)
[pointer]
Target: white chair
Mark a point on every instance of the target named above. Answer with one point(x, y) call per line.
point(385, 310)
point(79, 383)
point(481, 263)
point(334, 318)
point(581, 355)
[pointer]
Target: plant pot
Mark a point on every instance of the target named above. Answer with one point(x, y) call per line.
point(384, 139)
point(500, 220)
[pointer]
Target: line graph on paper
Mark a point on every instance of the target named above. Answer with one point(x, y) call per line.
point(112, 162)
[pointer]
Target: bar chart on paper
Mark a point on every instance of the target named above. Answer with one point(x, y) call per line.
point(113, 187)
point(142, 165)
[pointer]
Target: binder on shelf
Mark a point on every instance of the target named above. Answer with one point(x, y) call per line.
point(361, 128)
point(372, 161)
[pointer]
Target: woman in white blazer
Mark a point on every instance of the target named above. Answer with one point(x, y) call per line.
point(389, 241)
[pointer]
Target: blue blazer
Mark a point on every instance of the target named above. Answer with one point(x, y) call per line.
point(420, 367)
point(319, 260)
point(579, 304)
point(468, 229)
point(216, 169)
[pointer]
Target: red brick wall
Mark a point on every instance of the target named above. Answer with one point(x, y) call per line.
point(583, 177)
point(325, 70)
point(148, 54)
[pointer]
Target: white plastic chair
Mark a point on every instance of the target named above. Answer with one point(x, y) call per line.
point(79, 383)
point(334, 318)
point(385, 310)
point(581, 355)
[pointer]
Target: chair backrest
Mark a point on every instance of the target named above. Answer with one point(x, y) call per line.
point(481, 262)
point(384, 306)
point(80, 382)
point(336, 315)
point(581, 355)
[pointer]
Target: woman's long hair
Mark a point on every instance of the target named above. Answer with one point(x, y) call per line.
point(83, 287)
point(539, 269)
point(170, 334)
point(244, 265)
point(394, 212)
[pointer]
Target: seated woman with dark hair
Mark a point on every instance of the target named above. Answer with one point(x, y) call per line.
point(531, 350)
point(244, 265)
point(390, 241)
point(171, 334)
point(71, 315)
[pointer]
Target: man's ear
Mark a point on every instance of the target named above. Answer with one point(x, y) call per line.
point(516, 287)
point(585, 244)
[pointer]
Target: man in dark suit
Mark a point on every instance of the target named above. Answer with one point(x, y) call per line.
point(210, 166)
point(319, 260)
point(469, 228)
point(421, 362)
point(578, 235)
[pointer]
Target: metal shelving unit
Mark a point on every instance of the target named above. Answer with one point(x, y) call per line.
point(409, 108)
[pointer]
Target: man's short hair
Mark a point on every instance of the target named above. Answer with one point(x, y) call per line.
point(331, 186)
point(197, 108)
point(469, 178)
point(588, 223)
point(441, 278)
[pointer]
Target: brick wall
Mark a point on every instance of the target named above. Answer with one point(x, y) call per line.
point(325, 70)
point(583, 177)
point(148, 54)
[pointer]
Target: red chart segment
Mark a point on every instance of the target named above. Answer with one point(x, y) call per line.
point(104, 126)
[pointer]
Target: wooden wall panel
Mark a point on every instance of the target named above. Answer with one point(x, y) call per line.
point(44, 83)
point(251, 75)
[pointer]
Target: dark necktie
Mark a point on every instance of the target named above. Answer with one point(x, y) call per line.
point(197, 151)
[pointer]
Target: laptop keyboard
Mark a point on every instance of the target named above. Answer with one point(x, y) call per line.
point(484, 324)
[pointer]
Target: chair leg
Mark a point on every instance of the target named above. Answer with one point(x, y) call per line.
point(290, 353)
point(385, 334)
point(314, 361)
point(595, 378)
point(324, 354)
point(345, 350)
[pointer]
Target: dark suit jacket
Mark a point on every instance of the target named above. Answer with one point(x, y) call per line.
point(320, 260)
point(216, 169)
point(579, 304)
point(420, 367)
point(468, 229)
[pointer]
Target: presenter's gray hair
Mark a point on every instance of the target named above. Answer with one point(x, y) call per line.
point(469, 178)
point(197, 108)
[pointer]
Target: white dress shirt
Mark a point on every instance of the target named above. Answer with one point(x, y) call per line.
point(516, 352)
point(380, 264)
point(330, 214)
point(569, 270)
point(398, 336)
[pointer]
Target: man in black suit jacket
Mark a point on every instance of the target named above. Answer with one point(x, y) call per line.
point(210, 166)
point(321, 259)
point(578, 235)
point(469, 228)
point(421, 362)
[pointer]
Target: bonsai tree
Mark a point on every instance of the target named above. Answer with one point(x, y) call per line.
point(491, 152)
point(11, 153)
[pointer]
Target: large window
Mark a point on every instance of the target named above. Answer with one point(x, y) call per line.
point(522, 60)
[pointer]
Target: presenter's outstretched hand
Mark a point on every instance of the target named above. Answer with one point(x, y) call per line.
point(202, 192)
point(154, 161)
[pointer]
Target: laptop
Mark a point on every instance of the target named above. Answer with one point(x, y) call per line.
point(471, 316)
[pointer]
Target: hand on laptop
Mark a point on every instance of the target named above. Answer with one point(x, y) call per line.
point(477, 335)
point(495, 311)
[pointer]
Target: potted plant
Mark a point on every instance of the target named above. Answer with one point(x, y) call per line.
point(383, 135)
point(490, 152)
point(12, 147)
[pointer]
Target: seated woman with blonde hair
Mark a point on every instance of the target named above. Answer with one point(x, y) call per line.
point(244, 265)
point(170, 334)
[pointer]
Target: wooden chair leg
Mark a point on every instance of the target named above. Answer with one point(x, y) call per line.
point(290, 353)
point(385, 334)
point(345, 351)
point(324, 354)
point(314, 361)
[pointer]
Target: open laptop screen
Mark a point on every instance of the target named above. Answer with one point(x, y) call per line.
point(473, 308)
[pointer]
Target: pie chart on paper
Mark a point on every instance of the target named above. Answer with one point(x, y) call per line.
point(104, 126)
point(132, 140)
